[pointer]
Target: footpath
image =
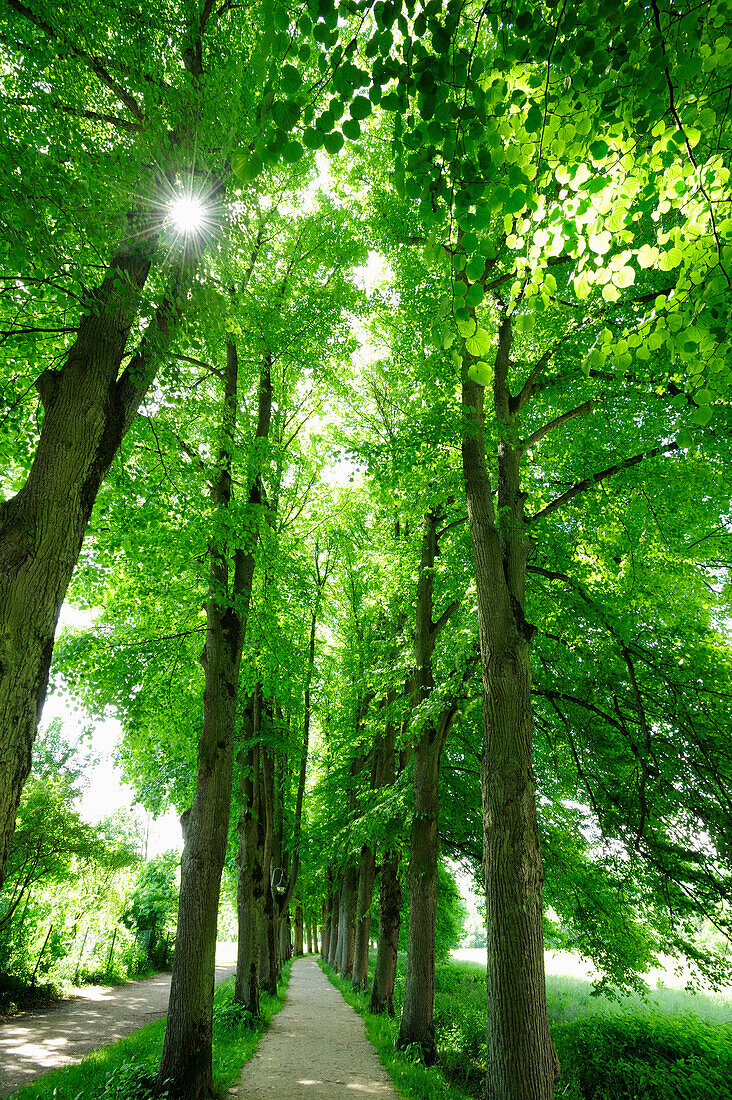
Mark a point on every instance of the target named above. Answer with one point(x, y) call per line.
point(316, 1047)
point(32, 1043)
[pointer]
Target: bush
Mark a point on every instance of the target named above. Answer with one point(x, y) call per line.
point(652, 1056)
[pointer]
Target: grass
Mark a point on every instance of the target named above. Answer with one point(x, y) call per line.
point(671, 1046)
point(119, 1071)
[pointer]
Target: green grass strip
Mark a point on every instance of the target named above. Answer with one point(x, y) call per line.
point(114, 1072)
point(412, 1079)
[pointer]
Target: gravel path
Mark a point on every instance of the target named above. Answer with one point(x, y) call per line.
point(315, 1048)
point(32, 1043)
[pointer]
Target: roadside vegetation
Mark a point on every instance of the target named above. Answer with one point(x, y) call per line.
point(126, 1070)
point(670, 1045)
point(79, 903)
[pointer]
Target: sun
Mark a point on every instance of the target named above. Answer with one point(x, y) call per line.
point(188, 214)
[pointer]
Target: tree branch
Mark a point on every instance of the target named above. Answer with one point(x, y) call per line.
point(93, 62)
point(590, 482)
point(558, 422)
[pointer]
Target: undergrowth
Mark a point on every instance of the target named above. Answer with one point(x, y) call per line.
point(670, 1046)
point(126, 1070)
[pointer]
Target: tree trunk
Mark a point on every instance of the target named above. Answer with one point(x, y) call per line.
point(285, 937)
point(250, 879)
point(326, 911)
point(298, 928)
point(309, 937)
point(88, 408)
point(390, 900)
point(521, 1061)
point(335, 925)
point(335, 921)
point(348, 910)
point(417, 1023)
point(367, 873)
point(187, 1051)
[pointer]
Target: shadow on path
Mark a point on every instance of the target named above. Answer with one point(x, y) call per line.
point(315, 1049)
point(32, 1043)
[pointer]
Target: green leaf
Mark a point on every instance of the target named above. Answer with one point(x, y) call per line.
point(352, 129)
point(475, 295)
point(292, 152)
point(466, 328)
point(291, 79)
point(599, 150)
point(479, 343)
point(481, 373)
point(360, 107)
point(333, 142)
point(702, 415)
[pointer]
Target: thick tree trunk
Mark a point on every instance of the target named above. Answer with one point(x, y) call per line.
point(417, 1023)
point(390, 900)
point(367, 873)
point(349, 898)
point(250, 880)
point(285, 937)
point(298, 931)
point(88, 408)
point(521, 1062)
point(186, 1064)
point(335, 928)
point(325, 917)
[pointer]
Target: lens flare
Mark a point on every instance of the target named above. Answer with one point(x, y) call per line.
point(188, 214)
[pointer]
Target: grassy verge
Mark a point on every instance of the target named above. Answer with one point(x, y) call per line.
point(671, 1046)
point(123, 1071)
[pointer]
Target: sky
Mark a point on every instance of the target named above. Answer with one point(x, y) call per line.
point(104, 789)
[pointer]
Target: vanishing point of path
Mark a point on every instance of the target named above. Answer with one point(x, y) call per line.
point(32, 1043)
point(315, 1048)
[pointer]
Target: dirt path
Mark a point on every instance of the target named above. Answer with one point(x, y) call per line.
point(32, 1043)
point(316, 1047)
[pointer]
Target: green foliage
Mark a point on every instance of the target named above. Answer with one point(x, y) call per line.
point(153, 907)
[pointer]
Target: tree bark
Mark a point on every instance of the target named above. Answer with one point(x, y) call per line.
point(390, 901)
point(88, 408)
point(335, 926)
point(521, 1061)
point(186, 1063)
point(349, 898)
point(250, 879)
point(309, 937)
point(326, 915)
point(417, 1023)
point(367, 873)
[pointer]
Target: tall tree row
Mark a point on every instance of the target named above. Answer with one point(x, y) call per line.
point(536, 525)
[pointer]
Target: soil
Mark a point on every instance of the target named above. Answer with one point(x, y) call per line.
point(316, 1047)
point(32, 1043)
